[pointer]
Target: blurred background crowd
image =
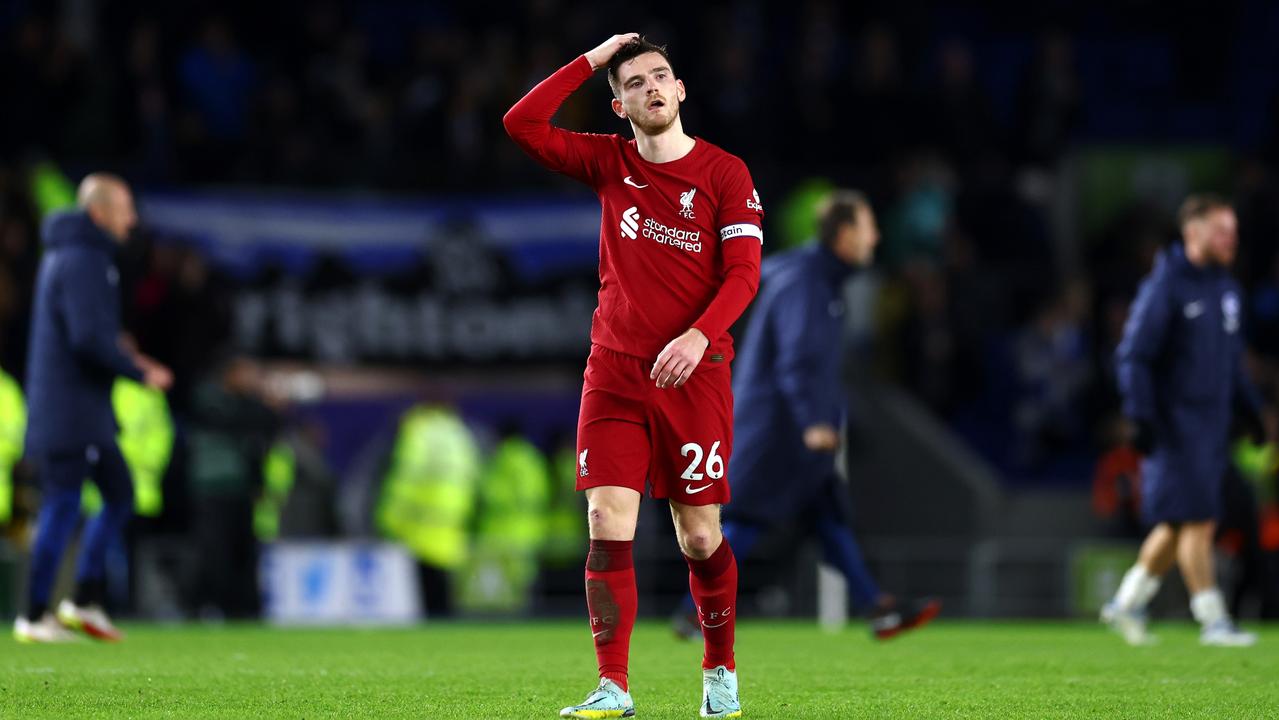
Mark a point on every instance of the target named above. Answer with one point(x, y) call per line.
point(1024, 161)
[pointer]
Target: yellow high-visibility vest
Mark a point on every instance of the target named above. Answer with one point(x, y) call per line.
point(279, 470)
point(13, 430)
point(428, 494)
point(514, 494)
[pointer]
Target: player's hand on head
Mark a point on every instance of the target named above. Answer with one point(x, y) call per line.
point(677, 361)
point(600, 56)
point(821, 438)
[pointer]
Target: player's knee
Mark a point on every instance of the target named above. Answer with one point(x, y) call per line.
point(608, 522)
point(699, 543)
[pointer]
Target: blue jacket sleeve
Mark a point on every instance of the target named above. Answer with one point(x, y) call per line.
point(1143, 341)
point(804, 356)
point(92, 314)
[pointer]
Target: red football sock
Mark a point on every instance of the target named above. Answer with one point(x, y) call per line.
point(611, 600)
point(713, 582)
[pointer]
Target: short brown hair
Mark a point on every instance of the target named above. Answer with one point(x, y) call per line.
point(630, 51)
point(836, 209)
point(1198, 205)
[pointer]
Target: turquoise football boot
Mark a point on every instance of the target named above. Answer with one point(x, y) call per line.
point(606, 701)
point(719, 693)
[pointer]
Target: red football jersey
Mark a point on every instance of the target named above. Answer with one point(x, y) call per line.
point(679, 241)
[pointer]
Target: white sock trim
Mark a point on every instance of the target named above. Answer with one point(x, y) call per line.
point(1208, 606)
point(1136, 589)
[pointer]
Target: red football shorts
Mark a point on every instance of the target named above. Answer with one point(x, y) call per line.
point(678, 440)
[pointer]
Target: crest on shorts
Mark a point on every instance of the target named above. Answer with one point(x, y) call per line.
point(581, 463)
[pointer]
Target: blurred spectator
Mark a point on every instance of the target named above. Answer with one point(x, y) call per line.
point(511, 525)
point(218, 79)
point(307, 506)
point(231, 429)
point(1116, 483)
point(1048, 102)
point(962, 120)
point(417, 486)
point(1053, 369)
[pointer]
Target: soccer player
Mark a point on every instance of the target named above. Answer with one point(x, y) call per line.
point(76, 351)
point(790, 405)
point(1180, 370)
point(680, 243)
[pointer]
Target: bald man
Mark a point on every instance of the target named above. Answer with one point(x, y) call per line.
point(77, 350)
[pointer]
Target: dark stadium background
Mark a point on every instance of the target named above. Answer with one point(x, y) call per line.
point(327, 186)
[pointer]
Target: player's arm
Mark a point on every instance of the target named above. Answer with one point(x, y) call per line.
point(528, 122)
point(741, 241)
point(90, 314)
point(1144, 336)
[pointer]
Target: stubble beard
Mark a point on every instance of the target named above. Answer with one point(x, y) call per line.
point(652, 129)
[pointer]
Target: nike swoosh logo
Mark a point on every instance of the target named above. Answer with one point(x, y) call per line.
point(715, 626)
point(597, 634)
point(632, 183)
point(693, 491)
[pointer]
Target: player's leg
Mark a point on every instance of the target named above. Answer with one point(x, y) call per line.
point(611, 593)
point(1126, 612)
point(1194, 556)
point(742, 537)
point(712, 580)
point(85, 611)
point(613, 460)
point(611, 599)
point(60, 478)
point(833, 527)
point(692, 430)
point(1195, 560)
point(1141, 582)
point(888, 616)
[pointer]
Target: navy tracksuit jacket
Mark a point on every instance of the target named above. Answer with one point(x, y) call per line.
point(1180, 370)
point(786, 377)
point(74, 354)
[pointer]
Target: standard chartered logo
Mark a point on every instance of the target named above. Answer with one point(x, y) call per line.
point(630, 222)
point(686, 240)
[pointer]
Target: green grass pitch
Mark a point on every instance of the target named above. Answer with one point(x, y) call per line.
point(530, 670)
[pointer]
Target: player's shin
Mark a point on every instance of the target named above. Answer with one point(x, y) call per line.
point(611, 601)
point(713, 582)
point(1136, 590)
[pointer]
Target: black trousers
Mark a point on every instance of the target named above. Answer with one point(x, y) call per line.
point(228, 576)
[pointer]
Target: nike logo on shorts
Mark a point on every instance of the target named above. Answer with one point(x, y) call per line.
point(632, 183)
point(693, 491)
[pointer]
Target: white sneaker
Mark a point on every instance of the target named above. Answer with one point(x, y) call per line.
point(1224, 633)
point(607, 701)
point(45, 630)
point(90, 619)
point(719, 693)
point(1130, 624)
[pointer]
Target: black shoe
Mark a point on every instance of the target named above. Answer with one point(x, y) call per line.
point(899, 617)
point(686, 626)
